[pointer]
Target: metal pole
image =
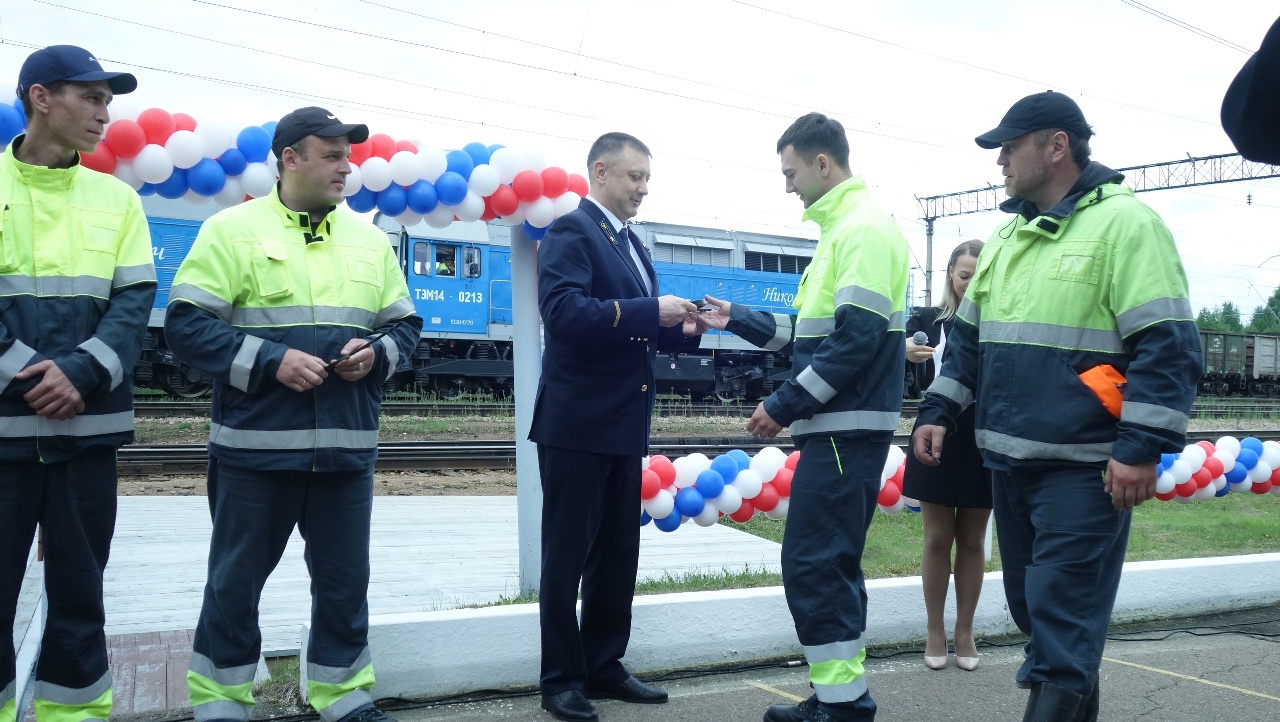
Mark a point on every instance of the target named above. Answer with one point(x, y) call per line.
point(928, 262)
point(527, 362)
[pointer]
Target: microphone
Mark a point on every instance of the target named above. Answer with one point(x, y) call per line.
point(920, 338)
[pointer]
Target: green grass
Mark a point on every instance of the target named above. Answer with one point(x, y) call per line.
point(280, 693)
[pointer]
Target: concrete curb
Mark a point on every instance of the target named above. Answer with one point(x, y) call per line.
point(438, 653)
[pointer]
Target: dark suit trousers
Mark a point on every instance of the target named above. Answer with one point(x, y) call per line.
point(590, 533)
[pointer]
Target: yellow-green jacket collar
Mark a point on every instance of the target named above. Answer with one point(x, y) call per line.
point(836, 200)
point(302, 220)
point(38, 176)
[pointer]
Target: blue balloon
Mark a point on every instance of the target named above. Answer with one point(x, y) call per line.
point(1252, 444)
point(710, 483)
point(206, 177)
point(255, 143)
point(422, 197)
point(1247, 457)
point(645, 518)
point(11, 123)
point(742, 457)
point(669, 523)
point(451, 187)
point(1237, 473)
point(1226, 489)
point(494, 149)
point(232, 161)
point(270, 126)
point(363, 200)
point(479, 153)
point(534, 234)
point(726, 466)
point(690, 501)
point(460, 162)
point(147, 189)
point(392, 201)
point(1166, 460)
point(175, 186)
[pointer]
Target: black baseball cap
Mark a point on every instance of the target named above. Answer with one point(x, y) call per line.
point(314, 121)
point(1037, 112)
point(1251, 107)
point(57, 63)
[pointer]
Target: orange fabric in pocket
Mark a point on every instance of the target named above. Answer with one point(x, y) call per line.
point(1106, 383)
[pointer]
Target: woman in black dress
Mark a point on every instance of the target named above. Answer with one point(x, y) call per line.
point(955, 496)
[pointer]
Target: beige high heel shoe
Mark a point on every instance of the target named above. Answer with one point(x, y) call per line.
point(968, 664)
point(937, 662)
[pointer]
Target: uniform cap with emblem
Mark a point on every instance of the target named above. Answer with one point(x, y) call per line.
point(1037, 112)
point(58, 63)
point(314, 121)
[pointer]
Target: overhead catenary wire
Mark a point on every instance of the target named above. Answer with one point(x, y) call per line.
point(1186, 26)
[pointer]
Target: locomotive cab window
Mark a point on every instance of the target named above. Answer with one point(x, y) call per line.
point(422, 259)
point(471, 262)
point(446, 261)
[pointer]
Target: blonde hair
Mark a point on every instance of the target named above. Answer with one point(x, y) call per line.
point(950, 301)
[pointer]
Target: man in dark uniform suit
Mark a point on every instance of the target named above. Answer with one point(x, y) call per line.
point(603, 320)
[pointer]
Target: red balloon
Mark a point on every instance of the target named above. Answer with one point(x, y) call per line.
point(125, 138)
point(744, 512)
point(555, 181)
point(527, 185)
point(1214, 465)
point(182, 121)
point(767, 499)
point(1186, 488)
point(792, 459)
point(489, 214)
point(382, 145)
point(157, 124)
point(889, 495)
point(782, 481)
point(505, 202)
point(1202, 478)
point(897, 475)
point(650, 484)
point(1166, 497)
point(1261, 487)
point(1207, 446)
point(406, 145)
point(360, 152)
point(578, 184)
point(1275, 477)
point(101, 159)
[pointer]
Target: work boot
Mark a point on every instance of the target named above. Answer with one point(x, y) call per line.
point(1089, 712)
point(806, 711)
point(1051, 703)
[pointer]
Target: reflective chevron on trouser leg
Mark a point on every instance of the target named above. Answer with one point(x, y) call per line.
point(836, 671)
point(55, 703)
point(220, 693)
point(335, 692)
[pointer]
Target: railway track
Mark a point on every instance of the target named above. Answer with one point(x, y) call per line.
point(177, 459)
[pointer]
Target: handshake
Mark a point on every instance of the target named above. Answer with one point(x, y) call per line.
point(696, 316)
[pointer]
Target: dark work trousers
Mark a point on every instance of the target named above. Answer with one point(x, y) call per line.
point(1062, 546)
point(254, 513)
point(833, 498)
point(590, 533)
point(75, 501)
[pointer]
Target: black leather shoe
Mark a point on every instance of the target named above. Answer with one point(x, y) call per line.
point(806, 711)
point(570, 705)
point(1051, 703)
point(630, 690)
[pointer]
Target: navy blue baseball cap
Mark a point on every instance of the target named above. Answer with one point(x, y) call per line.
point(1037, 112)
point(314, 121)
point(57, 63)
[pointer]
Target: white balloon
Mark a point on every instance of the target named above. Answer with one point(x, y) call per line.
point(215, 138)
point(1180, 471)
point(121, 108)
point(700, 461)
point(441, 217)
point(405, 168)
point(534, 160)
point(748, 483)
point(895, 508)
point(257, 180)
point(1227, 458)
point(195, 198)
point(1204, 492)
point(780, 511)
point(152, 164)
point(1275, 490)
point(354, 179)
point(1241, 486)
point(1184, 499)
point(1271, 453)
point(409, 219)
point(1194, 456)
point(484, 180)
point(376, 174)
point(710, 514)
point(566, 202)
point(1261, 472)
point(1229, 444)
point(231, 194)
point(1165, 482)
point(470, 209)
point(434, 163)
point(185, 149)
point(686, 474)
point(125, 172)
point(661, 505)
point(1218, 483)
point(541, 213)
point(765, 465)
point(271, 161)
point(517, 218)
point(507, 162)
point(729, 500)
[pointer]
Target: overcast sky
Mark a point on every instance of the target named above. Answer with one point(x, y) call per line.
point(709, 85)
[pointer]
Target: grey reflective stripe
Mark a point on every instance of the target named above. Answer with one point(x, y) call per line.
point(970, 312)
point(951, 389)
point(55, 286)
point(129, 275)
point(292, 439)
point(338, 675)
point(782, 327)
point(1161, 309)
point(106, 356)
point(393, 355)
point(68, 696)
point(1017, 448)
point(225, 677)
point(199, 297)
point(847, 421)
point(847, 692)
point(222, 709)
point(242, 364)
point(302, 315)
point(811, 327)
point(833, 651)
point(82, 425)
point(399, 309)
point(13, 361)
point(1156, 417)
point(351, 702)
point(865, 298)
point(1048, 334)
point(897, 320)
point(817, 387)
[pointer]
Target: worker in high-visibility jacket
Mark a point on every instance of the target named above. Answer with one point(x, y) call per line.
point(842, 405)
point(1076, 343)
point(76, 288)
point(272, 294)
